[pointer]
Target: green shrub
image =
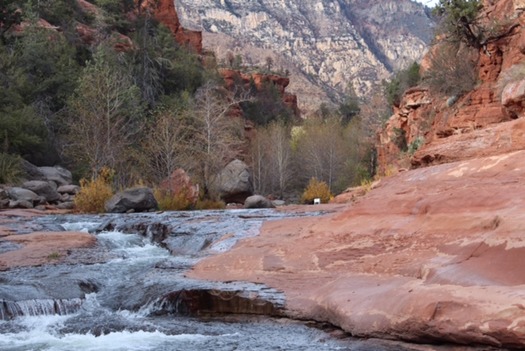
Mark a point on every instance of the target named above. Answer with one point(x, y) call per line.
point(95, 192)
point(452, 72)
point(10, 168)
point(400, 82)
point(415, 145)
point(316, 189)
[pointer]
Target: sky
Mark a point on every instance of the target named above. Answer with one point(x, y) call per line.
point(429, 3)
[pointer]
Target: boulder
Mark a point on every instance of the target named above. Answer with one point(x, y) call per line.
point(258, 201)
point(68, 189)
point(32, 172)
point(67, 205)
point(135, 200)
point(48, 190)
point(234, 182)
point(57, 174)
point(20, 204)
point(21, 194)
point(278, 203)
point(179, 183)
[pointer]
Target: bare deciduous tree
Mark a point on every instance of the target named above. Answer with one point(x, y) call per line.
point(272, 160)
point(105, 116)
point(217, 136)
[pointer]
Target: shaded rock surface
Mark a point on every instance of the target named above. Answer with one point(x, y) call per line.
point(21, 194)
point(234, 182)
point(135, 200)
point(430, 254)
point(48, 190)
point(258, 201)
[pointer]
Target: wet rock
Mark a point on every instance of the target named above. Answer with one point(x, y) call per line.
point(48, 190)
point(234, 182)
point(137, 200)
point(212, 301)
point(258, 201)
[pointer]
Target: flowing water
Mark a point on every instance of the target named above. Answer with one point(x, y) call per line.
point(130, 292)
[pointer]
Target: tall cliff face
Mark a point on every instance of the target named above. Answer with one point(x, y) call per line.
point(486, 121)
point(325, 44)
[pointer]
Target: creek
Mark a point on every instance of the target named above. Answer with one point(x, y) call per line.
point(129, 292)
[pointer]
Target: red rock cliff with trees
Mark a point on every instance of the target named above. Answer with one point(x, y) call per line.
point(470, 100)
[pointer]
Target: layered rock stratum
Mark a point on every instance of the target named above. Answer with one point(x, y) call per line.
point(325, 44)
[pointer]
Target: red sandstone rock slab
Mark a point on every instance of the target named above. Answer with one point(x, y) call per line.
point(494, 140)
point(433, 254)
point(43, 248)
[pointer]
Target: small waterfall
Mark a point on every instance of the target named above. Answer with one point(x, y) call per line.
point(38, 307)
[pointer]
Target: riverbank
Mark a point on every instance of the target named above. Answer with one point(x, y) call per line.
point(432, 255)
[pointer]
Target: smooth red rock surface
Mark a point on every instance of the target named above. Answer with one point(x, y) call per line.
point(436, 253)
point(36, 248)
point(43, 248)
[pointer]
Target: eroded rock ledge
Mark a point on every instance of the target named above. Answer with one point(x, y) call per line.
point(433, 254)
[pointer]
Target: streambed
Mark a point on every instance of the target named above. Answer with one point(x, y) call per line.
point(129, 292)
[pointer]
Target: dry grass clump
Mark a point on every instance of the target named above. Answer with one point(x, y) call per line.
point(210, 205)
point(95, 192)
point(170, 201)
point(316, 189)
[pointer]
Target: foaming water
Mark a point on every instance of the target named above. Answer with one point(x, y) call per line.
point(121, 300)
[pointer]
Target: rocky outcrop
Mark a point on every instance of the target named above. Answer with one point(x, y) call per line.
point(132, 200)
point(164, 11)
point(429, 255)
point(233, 78)
point(451, 128)
point(234, 182)
point(337, 42)
point(44, 188)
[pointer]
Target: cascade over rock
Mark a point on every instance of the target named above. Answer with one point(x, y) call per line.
point(429, 255)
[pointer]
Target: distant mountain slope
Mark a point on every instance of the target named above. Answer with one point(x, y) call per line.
point(325, 44)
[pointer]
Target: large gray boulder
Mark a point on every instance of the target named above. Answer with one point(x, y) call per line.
point(32, 172)
point(57, 174)
point(234, 182)
point(68, 189)
point(48, 190)
point(132, 200)
point(21, 194)
point(258, 201)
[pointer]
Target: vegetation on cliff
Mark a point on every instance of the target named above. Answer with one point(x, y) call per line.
point(104, 85)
